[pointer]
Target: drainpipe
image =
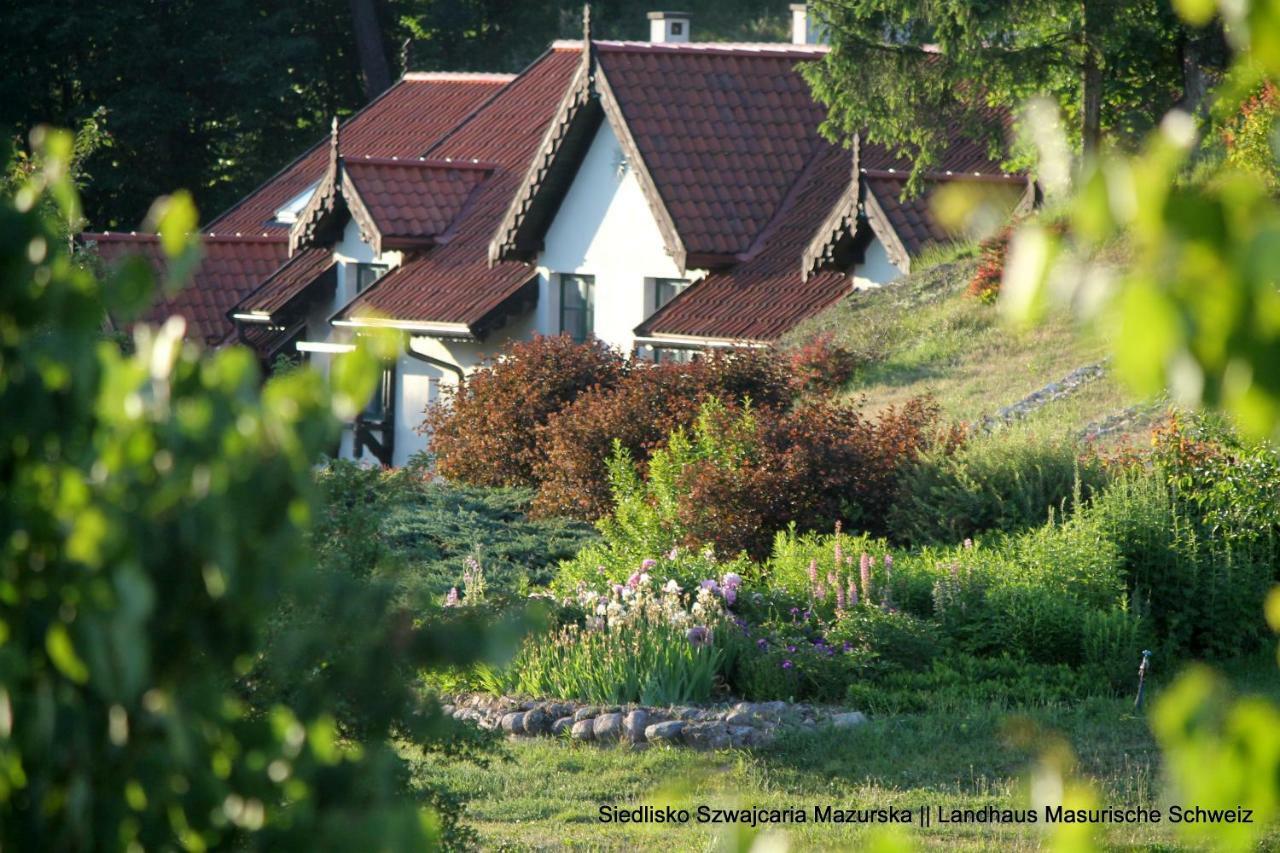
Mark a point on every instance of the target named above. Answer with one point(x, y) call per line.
point(434, 362)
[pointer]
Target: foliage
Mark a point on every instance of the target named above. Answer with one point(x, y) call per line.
point(821, 366)
point(639, 412)
point(1250, 136)
point(485, 431)
point(157, 517)
point(902, 74)
point(638, 643)
point(1007, 480)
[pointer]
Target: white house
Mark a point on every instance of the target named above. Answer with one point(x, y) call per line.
point(665, 197)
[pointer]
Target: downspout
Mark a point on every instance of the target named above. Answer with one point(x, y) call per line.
point(434, 362)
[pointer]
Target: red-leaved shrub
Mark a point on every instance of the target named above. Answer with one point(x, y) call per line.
point(821, 366)
point(985, 284)
point(486, 432)
point(640, 411)
point(810, 466)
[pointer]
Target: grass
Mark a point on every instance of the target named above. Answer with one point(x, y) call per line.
point(546, 794)
point(925, 335)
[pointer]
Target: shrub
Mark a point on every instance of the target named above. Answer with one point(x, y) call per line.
point(1005, 481)
point(822, 366)
point(639, 412)
point(985, 284)
point(485, 431)
point(1249, 136)
point(892, 639)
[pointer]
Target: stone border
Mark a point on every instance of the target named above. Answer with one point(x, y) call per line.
point(742, 725)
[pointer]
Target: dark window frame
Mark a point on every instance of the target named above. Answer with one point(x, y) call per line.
point(586, 310)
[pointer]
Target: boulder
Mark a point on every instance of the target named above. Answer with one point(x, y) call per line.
point(849, 720)
point(608, 726)
point(583, 730)
point(585, 712)
point(634, 725)
point(513, 723)
point(561, 725)
point(668, 732)
point(707, 735)
point(536, 721)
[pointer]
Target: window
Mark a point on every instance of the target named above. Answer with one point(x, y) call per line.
point(367, 274)
point(577, 305)
point(673, 356)
point(666, 289)
point(381, 404)
point(677, 28)
point(288, 214)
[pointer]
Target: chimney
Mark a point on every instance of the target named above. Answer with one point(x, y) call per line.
point(669, 27)
point(804, 26)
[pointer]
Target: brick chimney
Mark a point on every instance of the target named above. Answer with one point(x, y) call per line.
point(669, 27)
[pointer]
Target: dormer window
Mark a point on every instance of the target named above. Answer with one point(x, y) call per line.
point(288, 214)
point(367, 274)
point(666, 289)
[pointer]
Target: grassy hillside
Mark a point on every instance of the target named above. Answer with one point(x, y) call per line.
point(925, 335)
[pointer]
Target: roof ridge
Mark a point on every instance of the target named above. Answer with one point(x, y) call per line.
point(458, 76)
point(905, 174)
point(741, 48)
point(205, 236)
point(449, 163)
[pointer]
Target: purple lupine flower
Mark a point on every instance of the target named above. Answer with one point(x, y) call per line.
point(839, 597)
point(648, 564)
point(838, 550)
point(791, 648)
point(762, 644)
point(864, 570)
point(451, 600)
point(853, 593)
point(820, 592)
point(729, 594)
point(698, 635)
point(786, 664)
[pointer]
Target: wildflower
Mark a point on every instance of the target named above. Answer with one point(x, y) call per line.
point(451, 600)
point(787, 664)
point(839, 552)
point(762, 644)
point(595, 623)
point(864, 569)
point(839, 597)
point(675, 552)
point(732, 579)
point(710, 585)
point(730, 594)
point(618, 588)
point(791, 648)
point(853, 593)
point(848, 647)
point(672, 587)
point(699, 635)
point(648, 564)
point(644, 579)
point(968, 543)
point(634, 580)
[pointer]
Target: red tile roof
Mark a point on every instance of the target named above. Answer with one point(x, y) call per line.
point(401, 122)
point(230, 268)
point(454, 283)
point(413, 200)
point(288, 281)
point(766, 295)
point(724, 132)
point(912, 220)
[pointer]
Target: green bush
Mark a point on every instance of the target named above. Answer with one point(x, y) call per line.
point(1007, 481)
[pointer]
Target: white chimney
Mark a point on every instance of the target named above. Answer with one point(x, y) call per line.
point(804, 26)
point(669, 27)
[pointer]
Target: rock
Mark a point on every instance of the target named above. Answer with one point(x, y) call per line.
point(513, 723)
point(556, 710)
point(528, 706)
point(447, 710)
point(585, 712)
point(634, 725)
point(608, 726)
point(685, 713)
point(667, 732)
point(559, 726)
point(740, 718)
point(583, 730)
point(849, 720)
point(536, 722)
point(740, 736)
point(707, 735)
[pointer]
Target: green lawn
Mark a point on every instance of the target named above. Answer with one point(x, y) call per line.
point(925, 335)
point(546, 794)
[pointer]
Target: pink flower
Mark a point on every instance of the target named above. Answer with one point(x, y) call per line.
point(968, 543)
point(864, 569)
point(710, 584)
point(634, 580)
point(648, 564)
point(839, 597)
point(731, 579)
point(675, 552)
point(853, 593)
point(451, 600)
point(813, 571)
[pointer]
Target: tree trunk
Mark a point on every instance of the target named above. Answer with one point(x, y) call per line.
point(1090, 83)
point(1202, 60)
point(374, 70)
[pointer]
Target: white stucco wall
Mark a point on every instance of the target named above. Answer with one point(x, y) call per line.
point(604, 228)
point(875, 269)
